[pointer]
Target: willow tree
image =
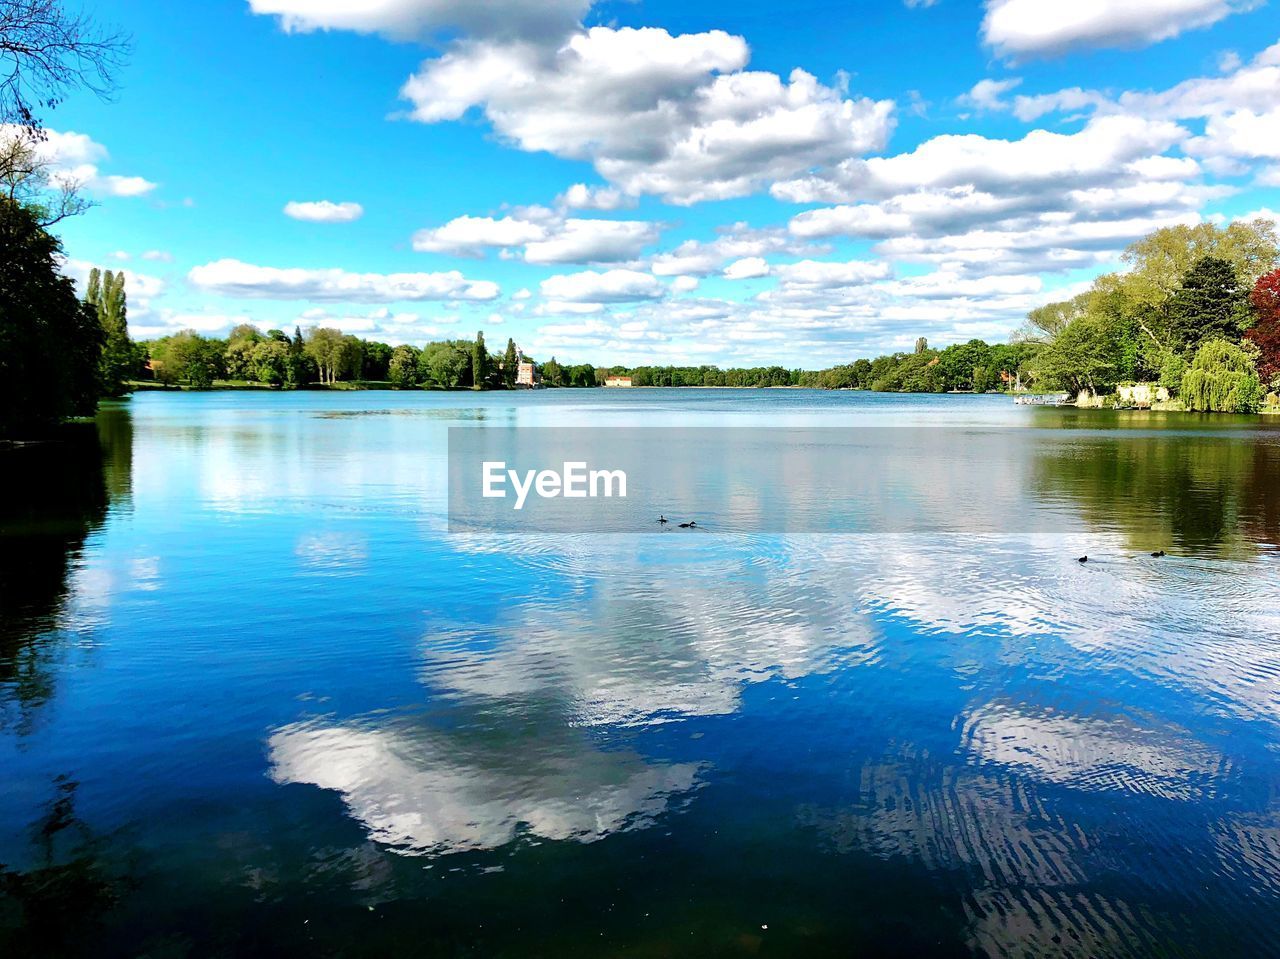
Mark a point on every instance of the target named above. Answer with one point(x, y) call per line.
point(1222, 379)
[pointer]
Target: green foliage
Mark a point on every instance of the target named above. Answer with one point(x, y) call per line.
point(402, 369)
point(446, 364)
point(552, 373)
point(1222, 379)
point(189, 358)
point(106, 294)
point(375, 363)
point(1210, 304)
point(1172, 369)
point(510, 364)
point(479, 362)
point(1082, 356)
point(50, 342)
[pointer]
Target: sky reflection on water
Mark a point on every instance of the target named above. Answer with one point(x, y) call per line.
point(305, 719)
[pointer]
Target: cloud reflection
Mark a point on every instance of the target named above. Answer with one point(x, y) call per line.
point(427, 793)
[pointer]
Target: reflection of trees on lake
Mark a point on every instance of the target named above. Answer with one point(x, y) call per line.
point(1210, 491)
point(57, 494)
point(54, 907)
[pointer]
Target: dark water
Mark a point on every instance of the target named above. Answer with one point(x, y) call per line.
point(256, 700)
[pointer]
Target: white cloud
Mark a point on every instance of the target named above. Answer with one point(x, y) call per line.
point(545, 241)
point(323, 211)
point(747, 268)
point(592, 241)
point(987, 94)
point(957, 160)
point(699, 258)
point(611, 286)
point(234, 278)
point(74, 159)
point(684, 284)
point(526, 20)
point(583, 197)
point(471, 235)
point(674, 116)
point(1021, 28)
point(823, 274)
point(160, 256)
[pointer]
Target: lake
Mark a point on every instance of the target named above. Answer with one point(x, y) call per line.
point(257, 698)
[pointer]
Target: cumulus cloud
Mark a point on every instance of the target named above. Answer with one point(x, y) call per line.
point(988, 94)
point(583, 197)
point(592, 241)
point(1024, 28)
point(323, 211)
point(74, 159)
point(472, 235)
point(747, 268)
point(674, 116)
point(235, 278)
point(547, 240)
point(610, 286)
point(1051, 201)
point(734, 242)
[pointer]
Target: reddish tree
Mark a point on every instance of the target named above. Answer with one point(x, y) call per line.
point(1265, 332)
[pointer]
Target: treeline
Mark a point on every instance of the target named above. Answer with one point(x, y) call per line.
point(328, 357)
point(1197, 312)
point(973, 367)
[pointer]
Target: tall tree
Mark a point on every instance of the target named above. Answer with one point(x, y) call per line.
point(479, 362)
point(327, 348)
point(106, 294)
point(1211, 304)
point(510, 364)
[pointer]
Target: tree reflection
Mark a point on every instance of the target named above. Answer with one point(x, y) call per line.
point(55, 906)
point(58, 493)
point(1211, 491)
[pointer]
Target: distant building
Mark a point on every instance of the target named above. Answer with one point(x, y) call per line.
point(525, 375)
point(617, 381)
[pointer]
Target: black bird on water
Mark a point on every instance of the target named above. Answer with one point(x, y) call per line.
point(1083, 559)
point(663, 520)
point(1158, 553)
point(690, 524)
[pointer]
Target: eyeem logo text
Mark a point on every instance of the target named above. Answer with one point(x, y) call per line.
point(575, 481)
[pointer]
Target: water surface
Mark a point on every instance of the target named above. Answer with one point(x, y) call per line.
point(255, 699)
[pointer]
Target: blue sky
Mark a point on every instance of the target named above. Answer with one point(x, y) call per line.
point(651, 181)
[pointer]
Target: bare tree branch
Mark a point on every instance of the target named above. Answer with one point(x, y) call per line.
point(47, 53)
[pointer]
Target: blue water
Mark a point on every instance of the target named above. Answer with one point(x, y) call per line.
point(256, 699)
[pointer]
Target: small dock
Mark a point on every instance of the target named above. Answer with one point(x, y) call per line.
point(1042, 399)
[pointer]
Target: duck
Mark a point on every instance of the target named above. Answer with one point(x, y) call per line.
point(1158, 553)
point(1083, 559)
point(663, 520)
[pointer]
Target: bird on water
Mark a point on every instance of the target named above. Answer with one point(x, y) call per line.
point(689, 525)
point(1083, 559)
point(663, 520)
point(1158, 553)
